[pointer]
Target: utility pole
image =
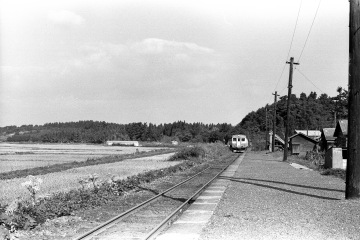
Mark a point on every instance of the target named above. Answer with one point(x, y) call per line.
point(266, 126)
point(353, 163)
point(274, 123)
point(288, 107)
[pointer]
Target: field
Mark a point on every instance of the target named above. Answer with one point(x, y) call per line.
point(23, 156)
point(69, 179)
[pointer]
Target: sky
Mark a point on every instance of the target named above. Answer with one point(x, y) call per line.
point(210, 61)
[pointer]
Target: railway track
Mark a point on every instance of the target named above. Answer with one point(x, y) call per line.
point(147, 219)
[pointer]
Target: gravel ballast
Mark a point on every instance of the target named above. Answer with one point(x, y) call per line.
point(270, 199)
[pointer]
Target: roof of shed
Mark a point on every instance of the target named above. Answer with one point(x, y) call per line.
point(341, 126)
point(309, 133)
point(304, 136)
point(329, 134)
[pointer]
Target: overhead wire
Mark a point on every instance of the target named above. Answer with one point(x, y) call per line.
point(307, 38)
point(308, 79)
point(292, 39)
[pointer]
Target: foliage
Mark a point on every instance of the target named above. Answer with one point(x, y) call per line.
point(316, 158)
point(100, 132)
point(28, 214)
point(306, 112)
point(188, 152)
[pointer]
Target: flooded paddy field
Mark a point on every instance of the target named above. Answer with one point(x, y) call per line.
point(15, 156)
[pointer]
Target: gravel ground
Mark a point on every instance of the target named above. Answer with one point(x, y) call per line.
point(269, 199)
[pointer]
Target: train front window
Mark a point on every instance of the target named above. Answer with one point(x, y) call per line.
point(243, 139)
point(234, 139)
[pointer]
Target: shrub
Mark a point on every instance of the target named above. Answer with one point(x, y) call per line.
point(188, 152)
point(316, 158)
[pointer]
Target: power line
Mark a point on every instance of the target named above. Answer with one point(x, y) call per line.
point(310, 30)
point(308, 79)
point(292, 39)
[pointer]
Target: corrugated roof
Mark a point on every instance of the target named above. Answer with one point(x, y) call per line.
point(304, 136)
point(309, 133)
point(329, 134)
point(342, 125)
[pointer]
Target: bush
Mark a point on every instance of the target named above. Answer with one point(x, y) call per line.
point(187, 153)
point(316, 158)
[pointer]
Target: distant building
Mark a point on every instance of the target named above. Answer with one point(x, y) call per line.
point(341, 133)
point(122, 143)
point(327, 138)
point(279, 142)
point(314, 134)
point(300, 144)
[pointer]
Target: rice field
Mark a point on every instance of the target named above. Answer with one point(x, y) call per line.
point(69, 179)
point(15, 156)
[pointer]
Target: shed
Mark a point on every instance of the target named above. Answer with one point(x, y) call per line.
point(341, 133)
point(122, 143)
point(279, 142)
point(300, 144)
point(314, 134)
point(327, 138)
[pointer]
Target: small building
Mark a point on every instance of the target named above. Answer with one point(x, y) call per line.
point(122, 143)
point(279, 142)
point(300, 144)
point(314, 134)
point(341, 134)
point(327, 139)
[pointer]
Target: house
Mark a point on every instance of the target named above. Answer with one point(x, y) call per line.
point(327, 138)
point(314, 134)
point(300, 144)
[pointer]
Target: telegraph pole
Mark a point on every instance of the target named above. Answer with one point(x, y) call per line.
point(353, 163)
point(266, 126)
point(274, 123)
point(288, 107)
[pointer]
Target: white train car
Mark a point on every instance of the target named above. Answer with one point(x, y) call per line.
point(238, 143)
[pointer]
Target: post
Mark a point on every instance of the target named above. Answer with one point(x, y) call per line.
point(288, 107)
point(353, 165)
point(274, 123)
point(266, 126)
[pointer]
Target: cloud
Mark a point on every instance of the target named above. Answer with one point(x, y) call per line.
point(155, 45)
point(65, 17)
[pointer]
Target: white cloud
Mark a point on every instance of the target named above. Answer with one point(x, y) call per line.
point(155, 45)
point(65, 17)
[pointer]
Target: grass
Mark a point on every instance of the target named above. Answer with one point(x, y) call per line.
point(27, 215)
point(316, 162)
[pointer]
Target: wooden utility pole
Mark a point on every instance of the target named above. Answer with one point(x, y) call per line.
point(353, 162)
point(288, 107)
point(274, 123)
point(266, 126)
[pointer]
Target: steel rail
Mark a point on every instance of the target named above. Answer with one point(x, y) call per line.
point(194, 196)
point(137, 207)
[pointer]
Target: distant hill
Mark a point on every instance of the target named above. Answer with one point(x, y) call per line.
point(99, 132)
point(306, 112)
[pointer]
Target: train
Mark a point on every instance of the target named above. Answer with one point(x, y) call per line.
point(238, 143)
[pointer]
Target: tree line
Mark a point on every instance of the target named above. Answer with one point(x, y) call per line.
point(306, 112)
point(100, 132)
